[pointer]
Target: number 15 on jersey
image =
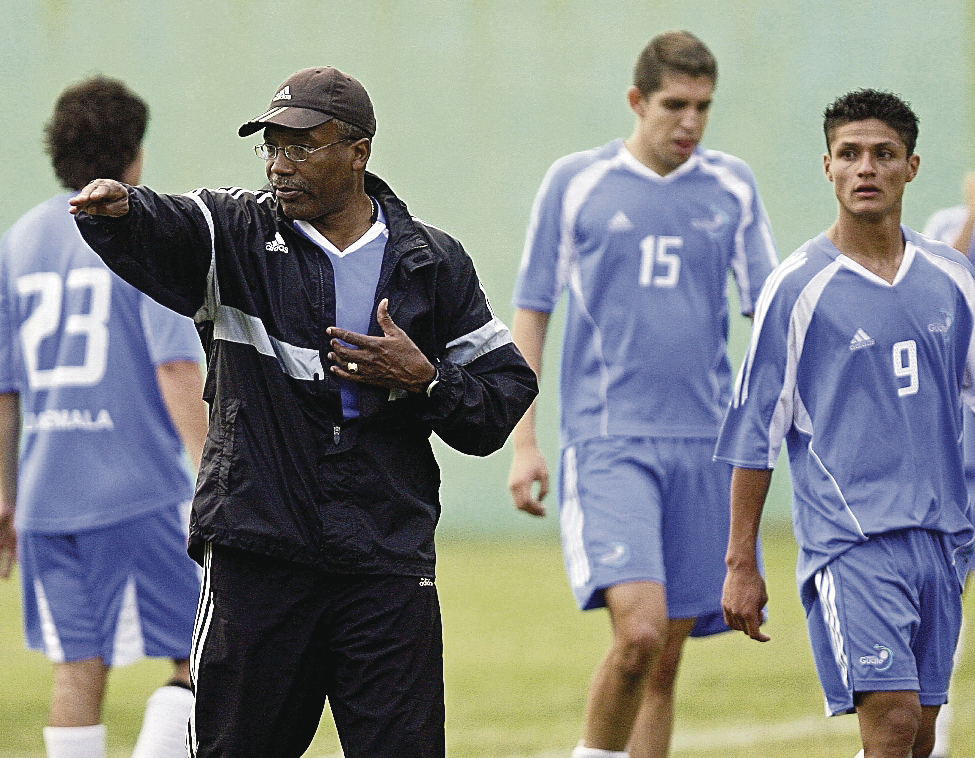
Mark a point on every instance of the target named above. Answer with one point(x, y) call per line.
point(659, 265)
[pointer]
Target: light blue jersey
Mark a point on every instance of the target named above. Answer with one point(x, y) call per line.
point(645, 259)
point(355, 274)
point(81, 347)
point(865, 381)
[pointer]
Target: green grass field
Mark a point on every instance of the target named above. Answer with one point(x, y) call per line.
point(519, 657)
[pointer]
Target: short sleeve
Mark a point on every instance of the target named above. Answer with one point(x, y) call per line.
point(169, 335)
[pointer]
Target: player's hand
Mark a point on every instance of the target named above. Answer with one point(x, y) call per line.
point(8, 542)
point(392, 360)
point(742, 601)
point(527, 467)
point(101, 197)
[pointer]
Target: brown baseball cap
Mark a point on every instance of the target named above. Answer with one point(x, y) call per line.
point(311, 97)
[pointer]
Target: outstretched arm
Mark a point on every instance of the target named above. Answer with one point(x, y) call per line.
point(528, 330)
point(745, 594)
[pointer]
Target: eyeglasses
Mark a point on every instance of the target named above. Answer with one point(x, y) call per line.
point(296, 153)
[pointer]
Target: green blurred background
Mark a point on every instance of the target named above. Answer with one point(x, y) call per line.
point(475, 99)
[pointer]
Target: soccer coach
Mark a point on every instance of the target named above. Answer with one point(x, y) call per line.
point(340, 332)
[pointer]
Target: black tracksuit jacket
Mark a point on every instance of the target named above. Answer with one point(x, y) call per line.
point(282, 474)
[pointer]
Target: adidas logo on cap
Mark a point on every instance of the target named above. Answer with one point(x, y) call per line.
point(283, 94)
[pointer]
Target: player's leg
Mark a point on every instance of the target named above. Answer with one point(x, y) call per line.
point(929, 717)
point(77, 692)
point(889, 723)
point(654, 723)
point(74, 726)
point(638, 612)
point(883, 620)
point(696, 512)
point(610, 513)
point(61, 619)
point(924, 742)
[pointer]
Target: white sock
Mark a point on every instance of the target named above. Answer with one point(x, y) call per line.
point(163, 732)
point(75, 741)
point(581, 751)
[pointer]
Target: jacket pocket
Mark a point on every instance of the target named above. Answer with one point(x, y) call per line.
point(225, 442)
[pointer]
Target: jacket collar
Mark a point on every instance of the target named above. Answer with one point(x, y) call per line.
point(403, 233)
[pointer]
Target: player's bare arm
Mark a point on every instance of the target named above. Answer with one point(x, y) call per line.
point(744, 595)
point(964, 239)
point(528, 465)
point(9, 437)
point(181, 387)
point(101, 197)
point(392, 360)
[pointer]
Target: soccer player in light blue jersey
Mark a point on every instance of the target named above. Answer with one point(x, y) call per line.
point(100, 387)
point(861, 359)
point(642, 233)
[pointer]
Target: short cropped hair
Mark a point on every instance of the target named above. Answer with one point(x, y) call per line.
point(95, 132)
point(350, 131)
point(863, 104)
point(676, 52)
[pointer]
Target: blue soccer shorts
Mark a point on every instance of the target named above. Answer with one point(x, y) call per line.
point(120, 593)
point(885, 616)
point(636, 508)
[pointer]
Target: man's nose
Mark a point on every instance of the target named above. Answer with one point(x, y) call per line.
point(281, 164)
point(866, 165)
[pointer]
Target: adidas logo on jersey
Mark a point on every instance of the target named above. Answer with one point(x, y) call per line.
point(277, 244)
point(283, 94)
point(860, 340)
point(619, 223)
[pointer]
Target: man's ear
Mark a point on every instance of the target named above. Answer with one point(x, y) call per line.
point(635, 98)
point(913, 163)
point(362, 149)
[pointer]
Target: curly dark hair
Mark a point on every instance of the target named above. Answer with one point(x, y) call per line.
point(95, 132)
point(677, 52)
point(863, 104)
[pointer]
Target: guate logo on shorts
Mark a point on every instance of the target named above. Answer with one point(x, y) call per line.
point(881, 661)
point(617, 555)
